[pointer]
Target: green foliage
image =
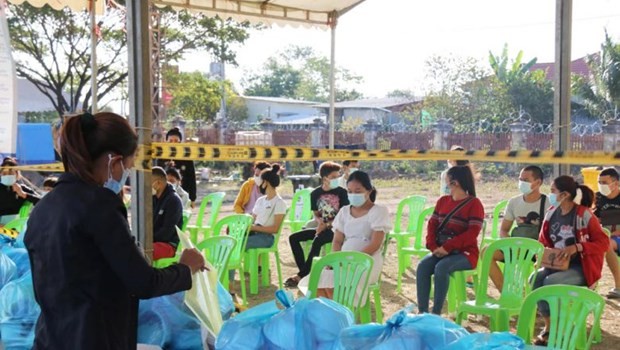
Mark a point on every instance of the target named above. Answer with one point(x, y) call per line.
point(601, 91)
point(48, 117)
point(299, 73)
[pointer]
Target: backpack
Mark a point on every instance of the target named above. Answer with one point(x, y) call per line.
point(530, 230)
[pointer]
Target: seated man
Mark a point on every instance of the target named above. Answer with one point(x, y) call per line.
point(167, 215)
point(174, 178)
point(348, 167)
point(527, 210)
point(608, 211)
point(48, 185)
point(13, 193)
point(325, 201)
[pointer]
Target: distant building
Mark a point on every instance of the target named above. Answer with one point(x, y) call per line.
point(280, 110)
point(30, 99)
point(578, 66)
point(386, 110)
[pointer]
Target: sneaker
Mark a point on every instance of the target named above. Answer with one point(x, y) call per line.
point(614, 294)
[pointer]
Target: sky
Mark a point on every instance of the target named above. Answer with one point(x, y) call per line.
point(387, 41)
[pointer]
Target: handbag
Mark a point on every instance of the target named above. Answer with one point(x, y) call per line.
point(530, 230)
point(550, 260)
point(443, 235)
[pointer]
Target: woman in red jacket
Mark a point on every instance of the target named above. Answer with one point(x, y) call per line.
point(571, 226)
point(453, 242)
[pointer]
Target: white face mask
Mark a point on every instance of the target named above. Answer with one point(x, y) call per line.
point(357, 199)
point(525, 187)
point(44, 193)
point(334, 183)
point(604, 189)
point(8, 180)
point(154, 192)
point(258, 180)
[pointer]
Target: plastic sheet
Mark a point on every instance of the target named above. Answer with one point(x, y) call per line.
point(403, 331)
point(20, 258)
point(18, 313)
point(486, 341)
point(227, 307)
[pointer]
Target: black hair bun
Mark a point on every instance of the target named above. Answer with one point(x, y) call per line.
point(275, 168)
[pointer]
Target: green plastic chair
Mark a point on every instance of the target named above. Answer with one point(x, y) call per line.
point(497, 222)
point(418, 249)
point(165, 262)
point(238, 228)
point(569, 308)
point(24, 211)
point(350, 269)
point(187, 215)
point(217, 250)
point(294, 221)
point(374, 289)
point(19, 225)
point(253, 256)
point(518, 266)
point(412, 206)
point(204, 224)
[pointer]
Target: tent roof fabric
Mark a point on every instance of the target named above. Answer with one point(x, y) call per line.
point(75, 5)
point(315, 13)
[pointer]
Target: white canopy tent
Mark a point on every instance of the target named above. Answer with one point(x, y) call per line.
point(307, 13)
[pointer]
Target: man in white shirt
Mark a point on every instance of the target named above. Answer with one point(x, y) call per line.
point(348, 167)
point(527, 211)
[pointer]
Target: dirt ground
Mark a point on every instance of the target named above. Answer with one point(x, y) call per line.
point(389, 193)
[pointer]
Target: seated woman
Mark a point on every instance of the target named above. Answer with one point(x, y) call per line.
point(13, 194)
point(571, 226)
point(360, 226)
point(250, 190)
point(268, 212)
point(452, 237)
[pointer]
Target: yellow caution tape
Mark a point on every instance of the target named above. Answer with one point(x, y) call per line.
point(204, 152)
point(9, 232)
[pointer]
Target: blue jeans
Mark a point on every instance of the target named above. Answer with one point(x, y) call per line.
point(546, 277)
point(441, 268)
point(255, 240)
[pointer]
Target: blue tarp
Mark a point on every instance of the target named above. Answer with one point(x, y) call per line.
point(34, 143)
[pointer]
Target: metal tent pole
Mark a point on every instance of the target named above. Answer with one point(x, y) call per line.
point(562, 93)
point(140, 90)
point(332, 79)
point(93, 56)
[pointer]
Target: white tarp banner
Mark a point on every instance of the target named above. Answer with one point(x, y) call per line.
point(8, 89)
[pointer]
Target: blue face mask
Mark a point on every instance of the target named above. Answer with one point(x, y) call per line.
point(357, 199)
point(553, 200)
point(113, 185)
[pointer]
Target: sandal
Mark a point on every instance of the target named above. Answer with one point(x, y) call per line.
point(292, 282)
point(542, 339)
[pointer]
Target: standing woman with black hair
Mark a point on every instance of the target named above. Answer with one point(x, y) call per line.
point(570, 225)
point(185, 167)
point(452, 238)
point(87, 272)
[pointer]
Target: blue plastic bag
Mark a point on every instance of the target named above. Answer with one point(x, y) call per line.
point(20, 258)
point(227, 307)
point(18, 313)
point(403, 331)
point(308, 325)
point(245, 331)
point(486, 341)
point(166, 322)
point(8, 270)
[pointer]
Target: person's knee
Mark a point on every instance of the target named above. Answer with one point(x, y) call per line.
point(613, 245)
point(498, 256)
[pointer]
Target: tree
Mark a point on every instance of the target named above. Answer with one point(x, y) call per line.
point(52, 48)
point(299, 73)
point(196, 97)
point(528, 90)
point(52, 51)
point(601, 90)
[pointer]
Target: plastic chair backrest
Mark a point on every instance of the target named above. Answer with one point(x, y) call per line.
point(497, 211)
point(238, 228)
point(518, 254)
point(24, 211)
point(426, 213)
point(217, 250)
point(413, 205)
point(569, 308)
point(19, 225)
point(216, 199)
point(350, 269)
point(187, 214)
point(276, 239)
point(306, 211)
